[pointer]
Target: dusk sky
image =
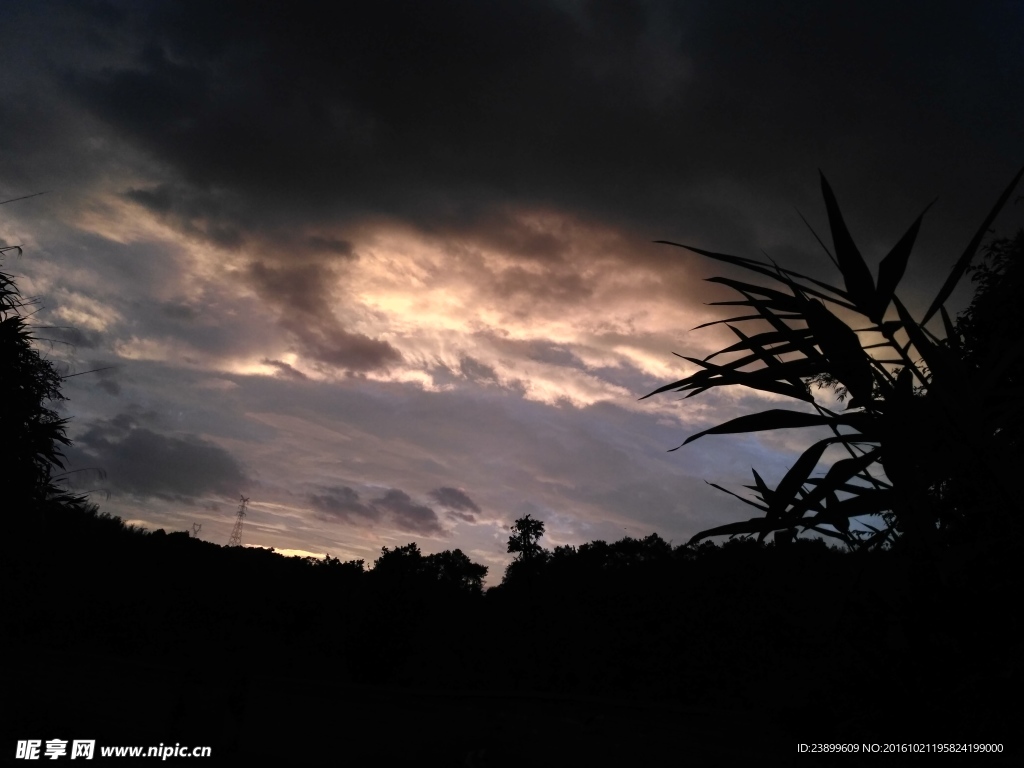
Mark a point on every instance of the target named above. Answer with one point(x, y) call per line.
point(388, 270)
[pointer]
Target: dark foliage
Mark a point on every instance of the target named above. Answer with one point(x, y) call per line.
point(987, 340)
point(526, 534)
point(705, 629)
point(920, 410)
point(32, 433)
point(524, 543)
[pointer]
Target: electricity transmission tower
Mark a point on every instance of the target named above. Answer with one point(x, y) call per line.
point(236, 533)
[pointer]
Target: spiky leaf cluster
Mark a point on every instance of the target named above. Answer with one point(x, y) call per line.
point(917, 412)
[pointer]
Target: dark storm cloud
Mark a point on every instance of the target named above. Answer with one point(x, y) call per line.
point(529, 98)
point(457, 502)
point(538, 350)
point(660, 117)
point(106, 376)
point(225, 219)
point(194, 213)
point(431, 113)
point(207, 326)
point(407, 514)
point(285, 369)
point(112, 388)
point(566, 287)
point(302, 294)
point(342, 504)
point(476, 371)
point(331, 245)
point(178, 311)
point(147, 463)
point(504, 230)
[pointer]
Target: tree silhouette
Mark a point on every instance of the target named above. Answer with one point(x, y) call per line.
point(987, 340)
point(530, 556)
point(525, 534)
point(989, 327)
point(454, 571)
point(31, 431)
point(401, 565)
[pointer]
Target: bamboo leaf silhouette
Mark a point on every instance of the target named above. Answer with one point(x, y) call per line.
point(770, 270)
point(952, 337)
point(754, 525)
point(836, 479)
point(934, 356)
point(745, 501)
point(892, 267)
point(741, 319)
point(840, 345)
point(856, 275)
point(800, 472)
point(776, 418)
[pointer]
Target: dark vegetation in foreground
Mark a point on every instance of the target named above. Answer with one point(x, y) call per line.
point(200, 642)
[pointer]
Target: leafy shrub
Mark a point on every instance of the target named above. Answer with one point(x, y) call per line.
point(31, 431)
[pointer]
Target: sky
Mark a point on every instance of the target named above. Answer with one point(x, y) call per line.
point(389, 271)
